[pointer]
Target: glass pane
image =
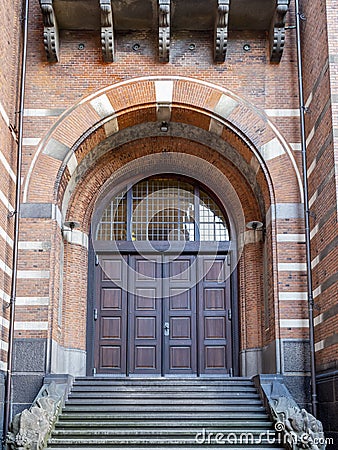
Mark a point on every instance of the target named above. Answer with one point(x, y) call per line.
point(113, 224)
point(163, 210)
point(213, 226)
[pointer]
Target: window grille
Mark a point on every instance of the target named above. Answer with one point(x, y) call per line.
point(163, 209)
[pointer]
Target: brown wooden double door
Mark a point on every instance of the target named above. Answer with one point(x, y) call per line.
point(159, 315)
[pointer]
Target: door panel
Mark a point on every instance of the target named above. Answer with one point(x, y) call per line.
point(215, 358)
point(214, 323)
point(180, 347)
point(145, 315)
point(111, 335)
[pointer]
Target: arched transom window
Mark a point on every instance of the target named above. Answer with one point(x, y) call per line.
point(163, 209)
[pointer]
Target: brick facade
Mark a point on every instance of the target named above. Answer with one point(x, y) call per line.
point(320, 82)
point(89, 126)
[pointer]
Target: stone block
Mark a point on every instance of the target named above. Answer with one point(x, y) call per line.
point(300, 390)
point(325, 390)
point(269, 358)
point(333, 436)
point(29, 355)
point(56, 149)
point(36, 210)
point(2, 395)
point(26, 387)
point(19, 407)
point(296, 356)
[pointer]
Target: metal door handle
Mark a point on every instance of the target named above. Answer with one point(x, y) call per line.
point(166, 329)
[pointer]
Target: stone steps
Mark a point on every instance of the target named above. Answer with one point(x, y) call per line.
point(162, 413)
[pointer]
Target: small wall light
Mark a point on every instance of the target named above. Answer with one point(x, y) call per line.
point(81, 46)
point(71, 224)
point(136, 47)
point(255, 225)
point(192, 47)
point(246, 47)
point(164, 127)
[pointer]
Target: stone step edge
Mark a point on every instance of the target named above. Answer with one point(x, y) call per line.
point(194, 447)
point(96, 442)
point(168, 424)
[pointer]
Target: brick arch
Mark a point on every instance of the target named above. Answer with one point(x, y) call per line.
point(180, 157)
point(200, 142)
point(202, 163)
point(193, 102)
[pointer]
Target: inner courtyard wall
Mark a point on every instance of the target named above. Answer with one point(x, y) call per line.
point(319, 33)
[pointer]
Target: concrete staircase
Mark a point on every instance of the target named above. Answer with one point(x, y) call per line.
point(171, 413)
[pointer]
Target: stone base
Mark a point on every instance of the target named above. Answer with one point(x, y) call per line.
point(29, 364)
point(251, 362)
point(300, 389)
point(271, 357)
point(295, 356)
point(2, 403)
point(25, 389)
point(68, 360)
point(327, 390)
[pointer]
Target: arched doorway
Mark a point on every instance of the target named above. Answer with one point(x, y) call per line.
point(216, 137)
point(162, 281)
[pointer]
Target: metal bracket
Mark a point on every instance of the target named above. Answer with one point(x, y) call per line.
point(11, 214)
point(14, 131)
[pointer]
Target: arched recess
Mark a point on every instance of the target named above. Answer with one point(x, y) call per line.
point(114, 170)
point(122, 124)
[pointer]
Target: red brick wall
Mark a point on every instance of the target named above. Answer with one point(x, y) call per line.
point(9, 55)
point(320, 83)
